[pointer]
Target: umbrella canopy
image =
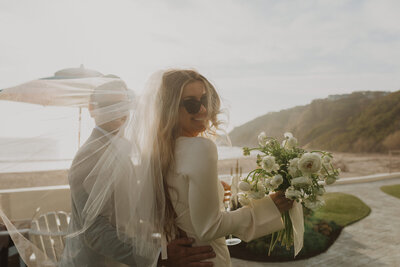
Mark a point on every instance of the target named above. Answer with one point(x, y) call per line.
point(68, 87)
point(74, 73)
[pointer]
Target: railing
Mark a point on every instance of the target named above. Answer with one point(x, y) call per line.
point(26, 203)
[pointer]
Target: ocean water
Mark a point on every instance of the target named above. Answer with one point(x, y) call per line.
point(225, 152)
point(47, 157)
point(29, 166)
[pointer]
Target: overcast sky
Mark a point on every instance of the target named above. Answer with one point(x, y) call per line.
point(262, 55)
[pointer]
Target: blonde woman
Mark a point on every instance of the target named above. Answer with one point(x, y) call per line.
point(188, 105)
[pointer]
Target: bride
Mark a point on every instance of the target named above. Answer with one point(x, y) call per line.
point(187, 108)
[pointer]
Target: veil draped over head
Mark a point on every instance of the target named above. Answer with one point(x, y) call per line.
point(114, 205)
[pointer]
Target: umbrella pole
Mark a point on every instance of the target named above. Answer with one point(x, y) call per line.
point(79, 128)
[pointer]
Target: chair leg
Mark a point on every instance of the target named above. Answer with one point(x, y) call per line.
point(21, 262)
point(13, 251)
point(4, 257)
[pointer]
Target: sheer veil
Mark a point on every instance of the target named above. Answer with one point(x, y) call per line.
point(125, 183)
point(117, 194)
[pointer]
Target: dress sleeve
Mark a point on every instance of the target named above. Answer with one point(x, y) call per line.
point(199, 162)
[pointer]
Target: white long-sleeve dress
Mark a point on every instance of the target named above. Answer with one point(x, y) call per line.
point(197, 196)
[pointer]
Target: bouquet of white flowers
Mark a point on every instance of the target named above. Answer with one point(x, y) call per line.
point(300, 174)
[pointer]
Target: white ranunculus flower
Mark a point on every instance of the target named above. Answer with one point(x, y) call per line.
point(268, 163)
point(291, 142)
point(321, 191)
point(261, 186)
point(243, 199)
point(257, 195)
point(313, 205)
point(300, 181)
point(288, 135)
point(324, 169)
point(310, 163)
point(294, 162)
point(268, 184)
point(330, 180)
point(244, 186)
point(262, 139)
point(275, 167)
point(293, 167)
point(292, 193)
point(277, 180)
point(292, 171)
point(326, 164)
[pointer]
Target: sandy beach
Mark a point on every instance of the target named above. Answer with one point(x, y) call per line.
point(352, 165)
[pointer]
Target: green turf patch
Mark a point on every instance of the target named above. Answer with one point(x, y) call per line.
point(321, 230)
point(393, 190)
point(343, 209)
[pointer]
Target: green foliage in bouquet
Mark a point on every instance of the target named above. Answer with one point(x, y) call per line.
point(291, 169)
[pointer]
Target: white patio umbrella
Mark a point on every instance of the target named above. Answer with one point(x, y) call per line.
point(70, 87)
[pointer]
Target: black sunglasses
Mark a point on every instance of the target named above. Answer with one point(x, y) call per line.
point(193, 105)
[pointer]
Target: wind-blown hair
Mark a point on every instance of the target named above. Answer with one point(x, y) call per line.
point(168, 96)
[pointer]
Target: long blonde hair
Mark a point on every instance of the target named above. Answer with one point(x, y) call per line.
point(168, 96)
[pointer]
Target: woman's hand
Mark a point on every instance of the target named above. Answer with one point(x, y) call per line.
point(182, 254)
point(282, 203)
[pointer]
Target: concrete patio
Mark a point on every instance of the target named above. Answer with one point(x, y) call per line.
point(373, 241)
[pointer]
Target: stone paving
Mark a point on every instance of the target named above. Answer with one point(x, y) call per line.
point(373, 241)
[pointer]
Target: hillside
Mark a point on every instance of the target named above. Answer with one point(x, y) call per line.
point(356, 122)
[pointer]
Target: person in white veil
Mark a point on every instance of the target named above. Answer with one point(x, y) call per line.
point(186, 108)
point(107, 187)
